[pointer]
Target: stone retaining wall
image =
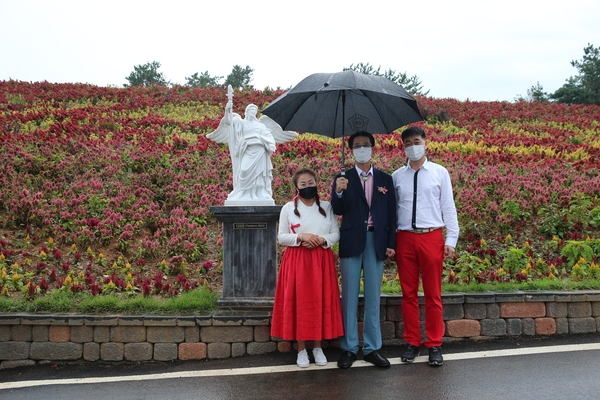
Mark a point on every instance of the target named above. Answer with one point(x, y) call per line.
point(27, 339)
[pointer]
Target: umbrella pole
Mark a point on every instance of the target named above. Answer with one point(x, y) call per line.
point(343, 129)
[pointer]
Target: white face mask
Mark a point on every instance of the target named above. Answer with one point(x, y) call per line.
point(362, 154)
point(416, 152)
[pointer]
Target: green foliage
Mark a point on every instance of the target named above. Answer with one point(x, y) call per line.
point(203, 80)
point(147, 75)
point(411, 84)
point(240, 77)
point(535, 93)
point(583, 88)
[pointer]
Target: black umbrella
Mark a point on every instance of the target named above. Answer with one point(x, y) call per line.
point(325, 103)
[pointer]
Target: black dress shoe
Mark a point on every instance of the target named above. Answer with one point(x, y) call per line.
point(409, 353)
point(435, 356)
point(346, 360)
point(377, 359)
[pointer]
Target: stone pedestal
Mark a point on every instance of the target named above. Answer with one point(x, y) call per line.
point(249, 255)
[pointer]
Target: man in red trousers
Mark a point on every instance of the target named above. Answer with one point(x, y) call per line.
point(425, 205)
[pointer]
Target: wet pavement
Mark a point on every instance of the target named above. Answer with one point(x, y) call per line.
point(533, 368)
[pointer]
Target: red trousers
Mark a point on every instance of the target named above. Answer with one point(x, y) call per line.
point(424, 254)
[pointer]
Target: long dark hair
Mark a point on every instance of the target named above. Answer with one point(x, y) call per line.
point(295, 178)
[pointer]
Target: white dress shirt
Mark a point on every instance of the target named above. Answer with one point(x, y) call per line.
point(435, 201)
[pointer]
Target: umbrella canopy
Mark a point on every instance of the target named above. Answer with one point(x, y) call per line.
point(342, 103)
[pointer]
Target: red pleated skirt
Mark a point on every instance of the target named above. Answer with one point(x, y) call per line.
point(307, 297)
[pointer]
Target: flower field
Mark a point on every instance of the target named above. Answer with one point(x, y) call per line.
point(107, 190)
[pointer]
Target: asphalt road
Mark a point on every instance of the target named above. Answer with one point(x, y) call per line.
point(534, 368)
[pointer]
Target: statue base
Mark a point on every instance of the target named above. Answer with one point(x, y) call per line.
point(249, 255)
point(242, 202)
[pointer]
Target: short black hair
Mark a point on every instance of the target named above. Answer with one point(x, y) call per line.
point(413, 131)
point(361, 134)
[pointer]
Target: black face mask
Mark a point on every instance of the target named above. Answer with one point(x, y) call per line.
point(308, 192)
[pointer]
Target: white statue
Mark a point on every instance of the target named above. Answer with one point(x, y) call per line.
point(251, 142)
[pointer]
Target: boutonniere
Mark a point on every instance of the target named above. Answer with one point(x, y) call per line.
point(382, 189)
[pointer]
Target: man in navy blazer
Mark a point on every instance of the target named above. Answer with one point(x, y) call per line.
point(366, 200)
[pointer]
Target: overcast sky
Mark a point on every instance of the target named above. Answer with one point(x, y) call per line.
point(477, 50)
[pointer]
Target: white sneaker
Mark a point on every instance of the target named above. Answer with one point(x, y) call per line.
point(302, 359)
point(320, 358)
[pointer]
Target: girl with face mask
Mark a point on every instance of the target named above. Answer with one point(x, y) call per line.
point(307, 302)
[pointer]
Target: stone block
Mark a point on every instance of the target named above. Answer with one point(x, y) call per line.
point(101, 320)
point(463, 328)
point(400, 330)
point(21, 333)
point(262, 333)
point(35, 319)
point(192, 351)
point(562, 326)
point(582, 325)
point(226, 334)
point(453, 298)
point(128, 334)
point(557, 310)
point(514, 327)
point(480, 298)
point(10, 319)
point(112, 351)
point(59, 333)
point(522, 310)
point(137, 351)
point(131, 320)
point(165, 351)
point(597, 324)
point(493, 327)
point(545, 326)
point(284, 347)
point(16, 364)
point(562, 297)
point(76, 320)
point(5, 333)
point(528, 326)
point(393, 313)
point(204, 320)
point(82, 334)
point(238, 349)
point(492, 311)
point(475, 310)
point(453, 311)
point(91, 351)
point(187, 320)
point(512, 297)
point(192, 334)
point(39, 333)
point(55, 351)
point(165, 334)
point(218, 350)
point(101, 334)
point(227, 318)
point(580, 309)
point(158, 320)
point(14, 350)
point(539, 296)
point(255, 348)
point(595, 309)
point(388, 330)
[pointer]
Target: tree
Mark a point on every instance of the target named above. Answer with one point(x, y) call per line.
point(147, 75)
point(203, 80)
point(411, 84)
point(240, 77)
point(535, 93)
point(583, 88)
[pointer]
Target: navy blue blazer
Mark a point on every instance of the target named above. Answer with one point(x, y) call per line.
point(353, 208)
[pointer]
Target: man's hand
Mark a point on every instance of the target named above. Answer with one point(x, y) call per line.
point(449, 251)
point(390, 253)
point(341, 184)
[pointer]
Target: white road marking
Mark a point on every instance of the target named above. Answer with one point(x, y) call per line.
point(294, 368)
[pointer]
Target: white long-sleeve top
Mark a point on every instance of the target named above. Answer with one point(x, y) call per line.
point(435, 201)
point(310, 221)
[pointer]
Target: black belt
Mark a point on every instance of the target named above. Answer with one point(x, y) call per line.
point(370, 228)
